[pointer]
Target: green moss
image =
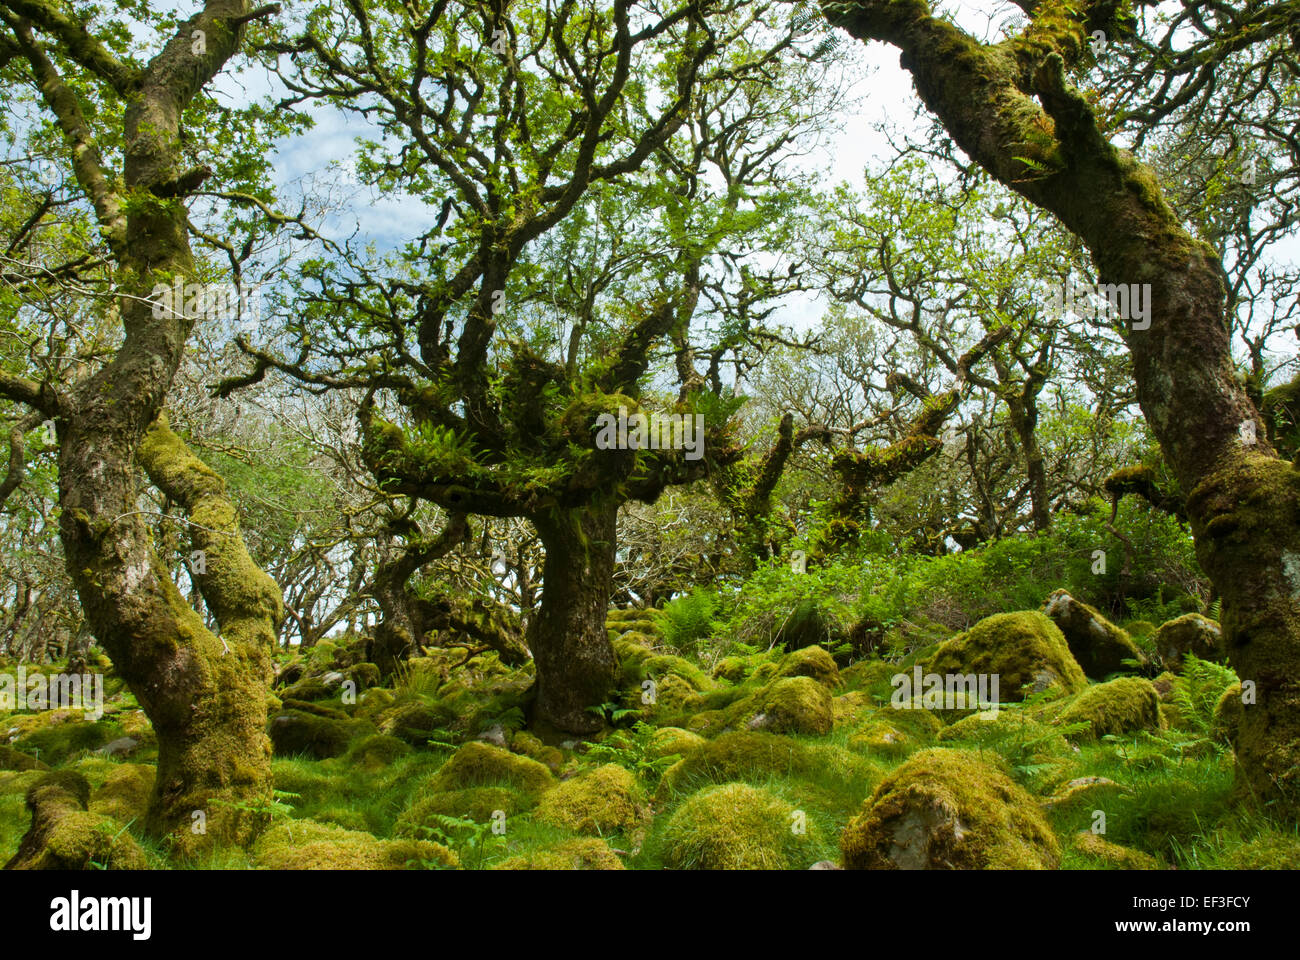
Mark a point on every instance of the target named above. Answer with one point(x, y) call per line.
point(376, 752)
point(1190, 633)
point(308, 845)
point(756, 757)
point(56, 742)
point(1112, 856)
point(1272, 851)
point(949, 809)
point(11, 759)
point(604, 800)
point(1025, 650)
point(294, 732)
point(585, 853)
point(479, 804)
point(796, 705)
point(731, 669)
point(478, 764)
point(532, 746)
point(1098, 645)
point(1120, 706)
point(736, 827)
point(814, 662)
point(125, 794)
point(65, 836)
point(893, 733)
point(669, 741)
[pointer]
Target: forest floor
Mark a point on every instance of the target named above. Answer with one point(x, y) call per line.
point(767, 760)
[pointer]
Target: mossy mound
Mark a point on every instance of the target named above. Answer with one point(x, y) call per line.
point(949, 809)
point(894, 732)
point(602, 801)
point(65, 736)
point(373, 703)
point(307, 689)
point(478, 764)
point(869, 676)
point(1005, 729)
point(1025, 650)
point(125, 794)
point(1190, 633)
point(376, 752)
point(308, 845)
point(479, 804)
point(757, 756)
point(64, 835)
point(1113, 856)
point(732, 669)
point(11, 759)
point(1125, 705)
point(736, 827)
point(674, 695)
point(849, 708)
point(414, 722)
point(585, 853)
point(795, 705)
point(1098, 645)
point(670, 741)
point(294, 732)
point(532, 746)
point(658, 667)
point(814, 662)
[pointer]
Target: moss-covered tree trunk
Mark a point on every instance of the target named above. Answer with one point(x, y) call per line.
point(205, 694)
point(576, 665)
point(1005, 102)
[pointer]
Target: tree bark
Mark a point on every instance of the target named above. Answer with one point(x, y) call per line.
point(576, 665)
point(1008, 101)
point(204, 694)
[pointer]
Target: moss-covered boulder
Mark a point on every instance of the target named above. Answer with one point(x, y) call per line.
point(1098, 645)
point(670, 741)
point(308, 845)
point(731, 669)
point(584, 853)
point(480, 804)
point(308, 689)
point(814, 662)
point(64, 735)
point(478, 764)
point(294, 732)
point(415, 721)
point(892, 731)
point(949, 810)
point(1025, 650)
point(376, 752)
point(532, 746)
point(125, 793)
point(756, 756)
point(602, 801)
point(795, 705)
point(737, 827)
point(65, 835)
point(1124, 705)
point(1190, 633)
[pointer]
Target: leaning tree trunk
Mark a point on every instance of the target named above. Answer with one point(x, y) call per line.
point(204, 694)
point(1006, 102)
point(576, 665)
